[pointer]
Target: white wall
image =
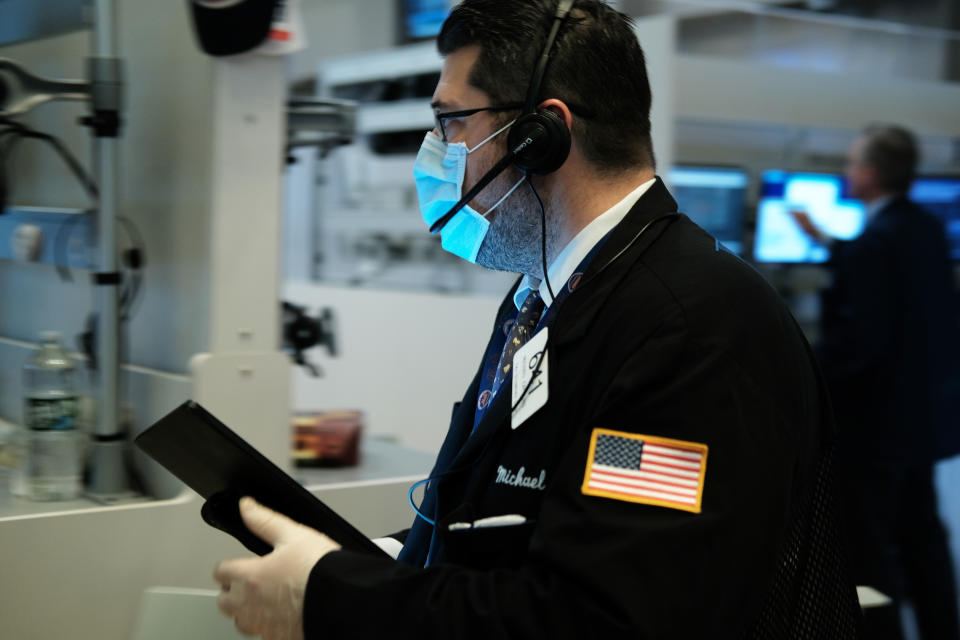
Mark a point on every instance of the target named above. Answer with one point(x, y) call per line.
point(404, 359)
point(826, 42)
point(657, 36)
point(339, 27)
point(712, 88)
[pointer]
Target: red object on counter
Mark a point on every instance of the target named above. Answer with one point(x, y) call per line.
point(327, 438)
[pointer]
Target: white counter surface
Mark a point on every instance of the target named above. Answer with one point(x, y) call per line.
point(78, 569)
point(379, 462)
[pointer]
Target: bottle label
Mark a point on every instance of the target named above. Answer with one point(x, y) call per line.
point(51, 414)
point(52, 467)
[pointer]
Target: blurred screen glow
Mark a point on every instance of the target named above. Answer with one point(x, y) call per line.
point(423, 18)
point(823, 196)
point(714, 198)
point(941, 196)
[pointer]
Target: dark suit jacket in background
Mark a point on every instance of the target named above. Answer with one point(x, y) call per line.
point(669, 336)
point(889, 347)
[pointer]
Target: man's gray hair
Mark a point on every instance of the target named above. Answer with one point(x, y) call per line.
point(892, 151)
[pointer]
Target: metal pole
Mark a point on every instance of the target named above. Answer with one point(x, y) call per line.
point(106, 293)
point(108, 478)
point(104, 29)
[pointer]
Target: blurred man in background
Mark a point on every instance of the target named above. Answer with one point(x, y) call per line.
point(889, 353)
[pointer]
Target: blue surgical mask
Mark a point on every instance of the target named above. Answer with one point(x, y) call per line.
point(438, 173)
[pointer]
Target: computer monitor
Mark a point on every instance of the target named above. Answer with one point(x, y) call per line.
point(941, 195)
point(823, 196)
point(421, 19)
point(714, 198)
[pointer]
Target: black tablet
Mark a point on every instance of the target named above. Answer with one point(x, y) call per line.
point(222, 467)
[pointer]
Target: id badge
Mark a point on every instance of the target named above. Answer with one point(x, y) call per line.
point(529, 390)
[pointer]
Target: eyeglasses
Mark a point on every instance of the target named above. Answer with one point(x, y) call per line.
point(441, 118)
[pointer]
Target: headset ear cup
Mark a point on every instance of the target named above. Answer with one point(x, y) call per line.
point(548, 152)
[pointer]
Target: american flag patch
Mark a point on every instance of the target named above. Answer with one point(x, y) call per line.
point(645, 469)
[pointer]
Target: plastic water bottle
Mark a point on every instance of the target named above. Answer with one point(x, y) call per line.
point(52, 443)
point(9, 464)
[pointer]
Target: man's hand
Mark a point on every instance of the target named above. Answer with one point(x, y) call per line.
point(265, 595)
point(802, 218)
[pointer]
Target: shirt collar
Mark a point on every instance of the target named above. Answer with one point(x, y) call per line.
point(577, 249)
point(873, 207)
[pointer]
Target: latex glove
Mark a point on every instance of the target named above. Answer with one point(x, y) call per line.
point(265, 595)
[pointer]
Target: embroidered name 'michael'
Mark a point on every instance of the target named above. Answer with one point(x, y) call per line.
point(518, 479)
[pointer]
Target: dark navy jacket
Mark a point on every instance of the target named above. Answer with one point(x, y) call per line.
point(890, 336)
point(670, 336)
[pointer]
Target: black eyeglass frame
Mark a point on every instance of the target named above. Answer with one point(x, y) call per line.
point(441, 116)
point(513, 106)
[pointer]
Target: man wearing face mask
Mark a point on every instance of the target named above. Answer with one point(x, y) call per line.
point(645, 450)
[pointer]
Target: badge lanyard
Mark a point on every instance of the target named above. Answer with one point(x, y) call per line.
point(575, 281)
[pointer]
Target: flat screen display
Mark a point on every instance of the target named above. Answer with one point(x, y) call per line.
point(822, 196)
point(422, 19)
point(941, 196)
point(714, 198)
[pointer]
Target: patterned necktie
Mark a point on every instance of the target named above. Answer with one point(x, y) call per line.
point(522, 330)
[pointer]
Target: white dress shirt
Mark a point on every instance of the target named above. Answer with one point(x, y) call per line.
point(577, 249)
point(873, 208)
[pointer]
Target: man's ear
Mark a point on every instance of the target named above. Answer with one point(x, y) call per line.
point(560, 108)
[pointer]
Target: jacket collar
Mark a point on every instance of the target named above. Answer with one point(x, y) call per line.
point(576, 314)
point(626, 243)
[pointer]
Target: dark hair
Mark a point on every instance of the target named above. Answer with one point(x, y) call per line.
point(596, 67)
point(892, 151)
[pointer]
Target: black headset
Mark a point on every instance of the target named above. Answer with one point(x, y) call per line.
point(548, 133)
point(538, 142)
